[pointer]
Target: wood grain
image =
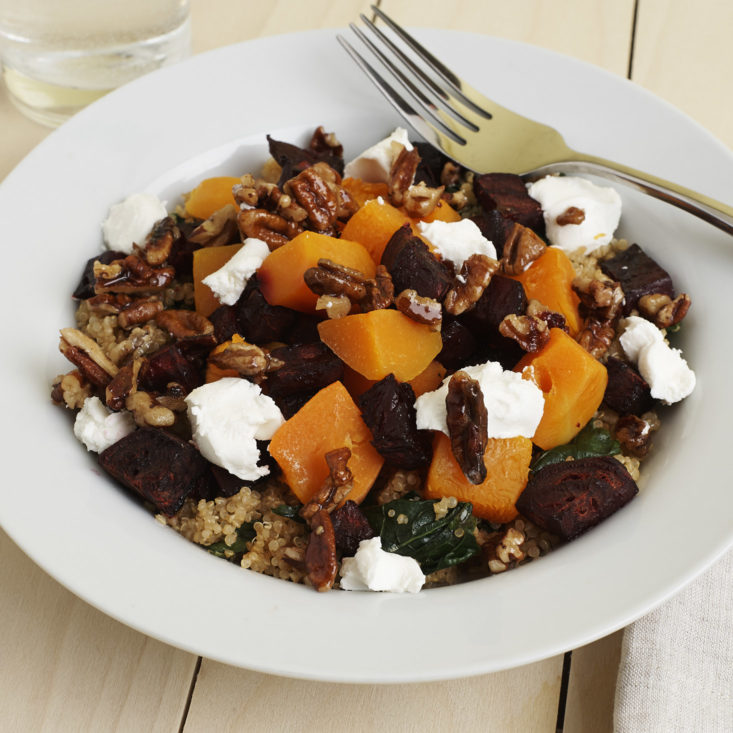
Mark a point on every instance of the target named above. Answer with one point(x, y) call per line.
point(65, 666)
point(683, 53)
point(520, 700)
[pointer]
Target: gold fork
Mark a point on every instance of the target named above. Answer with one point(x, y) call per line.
point(482, 135)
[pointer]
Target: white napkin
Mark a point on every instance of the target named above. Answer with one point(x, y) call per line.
point(676, 670)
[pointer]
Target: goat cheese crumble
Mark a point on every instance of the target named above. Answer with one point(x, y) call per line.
point(229, 281)
point(600, 207)
point(663, 367)
point(130, 221)
point(374, 569)
point(375, 163)
point(99, 428)
point(456, 241)
point(228, 417)
point(514, 405)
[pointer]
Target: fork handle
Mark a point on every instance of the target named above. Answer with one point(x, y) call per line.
point(714, 212)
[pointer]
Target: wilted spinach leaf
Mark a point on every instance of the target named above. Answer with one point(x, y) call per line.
point(589, 442)
point(245, 533)
point(408, 526)
point(291, 511)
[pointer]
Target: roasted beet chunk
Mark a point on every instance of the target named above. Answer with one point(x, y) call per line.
point(412, 266)
point(388, 409)
point(627, 392)
point(160, 467)
point(350, 527)
point(507, 193)
point(224, 320)
point(570, 497)
point(431, 165)
point(258, 321)
point(495, 227)
point(638, 274)
point(85, 288)
point(502, 297)
point(295, 160)
point(306, 369)
point(459, 344)
point(170, 364)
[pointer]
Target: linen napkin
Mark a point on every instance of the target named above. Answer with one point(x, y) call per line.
point(676, 671)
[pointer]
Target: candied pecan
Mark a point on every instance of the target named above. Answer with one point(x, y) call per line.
point(131, 275)
point(401, 174)
point(550, 317)
point(336, 306)
point(521, 248)
point(380, 291)
point(108, 303)
point(246, 359)
point(271, 228)
point(451, 174)
point(422, 310)
point(457, 199)
point(634, 434)
point(146, 410)
point(420, 200)
point(184, 324)
point(662, 310)
point(219, 229)
point(596, 336)
point(71, 389)
point(245, 192)
point(571, 215)
point(159, 242)
point(320, 555)
point(603, 298)
point(122, 385)
point(335, 488)
point(467, 421)
point(318, 190)
point(325, 142)
point(470, 284)
point(263, 194)
point(530, 332)
point(330, 278)
point(139, 311)
point(87, 355)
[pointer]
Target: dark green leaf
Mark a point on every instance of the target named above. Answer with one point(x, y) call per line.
point(291, 511)
point(409, 527)
point(245, 533)
point(590, 441)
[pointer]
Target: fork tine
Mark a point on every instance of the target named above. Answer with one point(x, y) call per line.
point(464, 91)
point(436, 131)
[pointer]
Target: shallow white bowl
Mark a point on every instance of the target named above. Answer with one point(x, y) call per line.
point(209, 115)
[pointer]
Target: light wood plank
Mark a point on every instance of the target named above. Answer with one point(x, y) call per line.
point(683, 53)
point(523, 699)
point(596, 31)
point(66, 666)
point(592, 686)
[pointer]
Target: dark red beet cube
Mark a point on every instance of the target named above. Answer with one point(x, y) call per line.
point(350, 526)
point(388, 409)
point(459, 344)
point(412, 266)
point(224, 320)
point(638, 274)
point(258, 321)
point(495, 227)
point(306, 368)
point(570, 497)
point(627, 391)
point(502, 297)
point(159, 466)
point(171, 364)
point(507, 193)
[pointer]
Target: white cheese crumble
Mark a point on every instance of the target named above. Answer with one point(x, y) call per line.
point(130, 221)
point(228, 417)
point(375, 163)
point(374, 569)
point(601, 207)
point(514, 405)
point(663, 367)
point(456, 241)
point(99, 428)
point(229, 281)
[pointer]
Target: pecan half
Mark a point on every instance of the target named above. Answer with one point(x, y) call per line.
point(262, 194)
point(530, 332)
point(596, 336)
point(420, 200)
point(131, 275)
point(123, 384)
point(87, 355)
point(335, 488)
point(470, 284)
point(662, 310)
point(108, 303)
point(71, 389)
point(380, 291)
point(146, 410)
point(184, 324)
point(521, 248)
point(325, 142)
point(550, 317)
point(451, 174)
point(219, 229)
point(571, 215)
point(246, 359)
point(604, 298)
point(402, 174)
point(330, 278)
point(420, 309)
point(139, 311)
point(159, 242)
point(467, 421)
point(634, 434)
point(335, 306)
point(271, 228)
point(320, 555)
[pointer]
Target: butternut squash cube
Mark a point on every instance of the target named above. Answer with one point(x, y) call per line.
point(205, 261)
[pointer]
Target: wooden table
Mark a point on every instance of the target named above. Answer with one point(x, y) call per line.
point(66, 667)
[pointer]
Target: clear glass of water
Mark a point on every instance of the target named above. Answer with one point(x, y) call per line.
point(60, 55)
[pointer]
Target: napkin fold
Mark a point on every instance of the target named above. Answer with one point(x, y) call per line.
point(676, 672)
